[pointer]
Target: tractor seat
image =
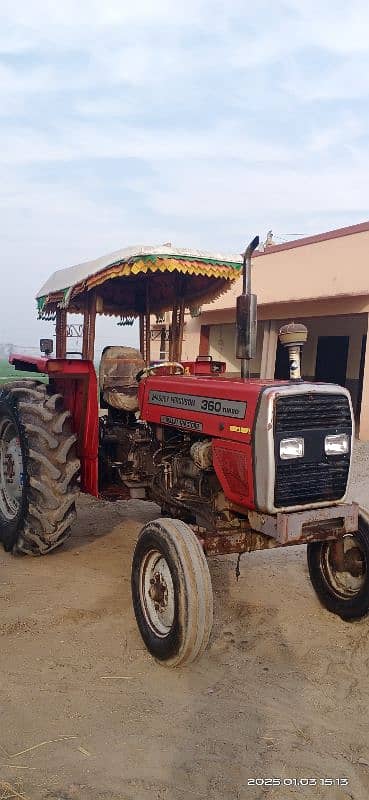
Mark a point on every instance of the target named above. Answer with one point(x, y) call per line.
point(117, 377)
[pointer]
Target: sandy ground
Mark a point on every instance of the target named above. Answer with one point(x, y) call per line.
point(282, 692)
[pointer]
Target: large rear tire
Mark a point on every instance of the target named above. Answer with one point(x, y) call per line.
point(38, 469)
point(171, 592)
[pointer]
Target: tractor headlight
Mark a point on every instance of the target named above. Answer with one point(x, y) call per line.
point(291, 448)
point(337, 445)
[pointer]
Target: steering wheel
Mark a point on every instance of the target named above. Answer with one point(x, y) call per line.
point(174, 365)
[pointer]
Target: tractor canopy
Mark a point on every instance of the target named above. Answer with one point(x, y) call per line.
point(122, 279)
point(137, 282)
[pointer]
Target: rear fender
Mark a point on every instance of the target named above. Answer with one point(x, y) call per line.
point(76, 381)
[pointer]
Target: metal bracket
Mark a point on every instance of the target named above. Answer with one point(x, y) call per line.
point(315, 524)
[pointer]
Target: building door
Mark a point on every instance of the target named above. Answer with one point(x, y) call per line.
point(331, 359)
point(361, 377)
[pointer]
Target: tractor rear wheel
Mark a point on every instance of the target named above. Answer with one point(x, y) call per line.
point(38, 469)
point(171, 592)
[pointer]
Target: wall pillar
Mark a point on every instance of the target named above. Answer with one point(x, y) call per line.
point(204, 344)
point(269, 348)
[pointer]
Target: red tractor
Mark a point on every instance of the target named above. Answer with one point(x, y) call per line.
point(235, 464)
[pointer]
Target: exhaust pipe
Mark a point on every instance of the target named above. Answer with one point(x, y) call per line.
point(246, 315)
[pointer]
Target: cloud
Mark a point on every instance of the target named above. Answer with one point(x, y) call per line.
point(32, 25)
point(241, 192)
point(347, 80)
point(81, 141)
point(198, 123)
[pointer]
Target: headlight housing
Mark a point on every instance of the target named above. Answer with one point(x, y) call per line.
point(291, 448)
point(337, 444)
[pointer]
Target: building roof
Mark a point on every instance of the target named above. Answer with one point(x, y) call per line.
point(315, 238)
point(333, 264)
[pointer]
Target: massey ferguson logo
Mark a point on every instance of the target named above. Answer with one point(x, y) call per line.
point(208, 405)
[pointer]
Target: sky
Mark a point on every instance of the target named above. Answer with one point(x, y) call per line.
point(202, 123)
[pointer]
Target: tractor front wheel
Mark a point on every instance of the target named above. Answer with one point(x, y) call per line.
point(38, 469)
point(171, 592)
point(339, 572)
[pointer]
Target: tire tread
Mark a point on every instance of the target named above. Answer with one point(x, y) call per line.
point(353, 608)
point(195, 603)
point(51, 466)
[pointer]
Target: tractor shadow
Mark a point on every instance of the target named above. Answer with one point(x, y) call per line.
point(99, 520)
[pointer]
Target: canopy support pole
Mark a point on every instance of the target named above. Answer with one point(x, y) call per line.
point(181, 330)
point(177, 327)
point(142, 335)
point(61, 332)
point(145, 338)
point(148, 341)
point(91, 327)
point(86, 326)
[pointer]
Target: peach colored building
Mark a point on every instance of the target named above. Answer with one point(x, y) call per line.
point(320, 280)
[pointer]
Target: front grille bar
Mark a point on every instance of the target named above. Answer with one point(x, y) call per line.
point(305, 480)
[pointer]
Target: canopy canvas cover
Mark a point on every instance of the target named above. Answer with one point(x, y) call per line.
point(136, 282)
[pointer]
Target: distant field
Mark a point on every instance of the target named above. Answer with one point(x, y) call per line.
point(7, 372)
